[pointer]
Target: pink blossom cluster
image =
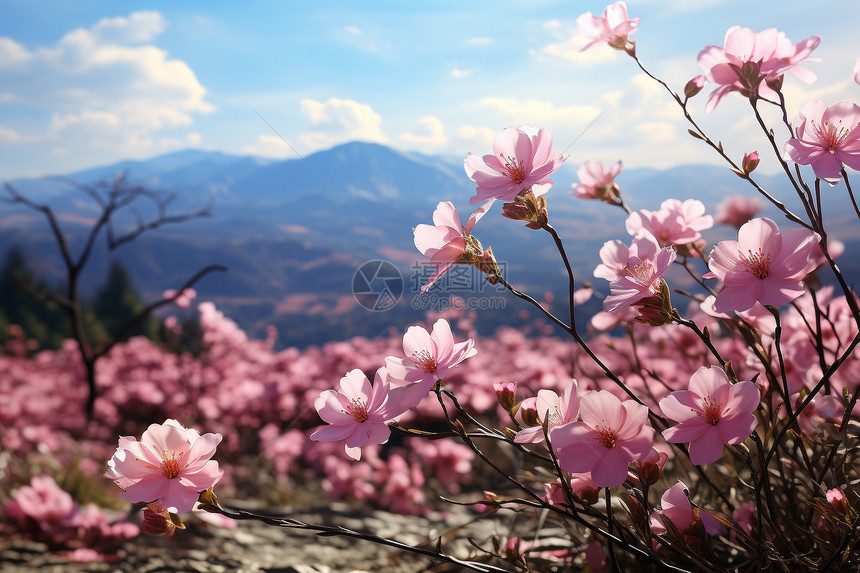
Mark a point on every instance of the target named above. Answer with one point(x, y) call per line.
point(47, 513)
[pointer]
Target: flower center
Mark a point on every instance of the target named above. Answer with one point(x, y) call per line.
point(514, 168)
point(555, 418)
point(424, 361)
point(169, 465)
point(642, 273)
point(711, 411)
point(358, 409)
point(831, 135)
point(606, 436)
point(757, 263)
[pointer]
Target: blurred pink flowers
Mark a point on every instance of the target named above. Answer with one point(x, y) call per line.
point(522, 159)
point(737, 210)
point(447, 242)
point(751, 61)
point(429, 357)
point(183, 299)
point(597, 182)
point(711, 413)
point(676, 223)
point(170, 463)
point(827, 139)
point(612, 29)
point(764, 265)
point(557, 411)
point(611, 434)
point(359, 413)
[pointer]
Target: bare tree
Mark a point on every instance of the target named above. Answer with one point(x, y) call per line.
point(115, 196)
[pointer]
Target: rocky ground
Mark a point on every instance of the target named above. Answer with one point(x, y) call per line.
point(253, 546)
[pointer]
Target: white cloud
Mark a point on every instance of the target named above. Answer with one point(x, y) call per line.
point(102, 88)
point(9, 136)
point(139, 27)
point(541, 113)
point(568, 43)
point(459, 74)
point(338, 121)
point(657, 131)
point(364, 40)
point(476, 137)
point(269, 146)
point(429, 134)
point(194, 139)
point(478, 41)
point(12, 53)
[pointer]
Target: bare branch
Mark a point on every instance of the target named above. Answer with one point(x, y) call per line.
point(106, 347)
point(52, 220)
point(162, 219)
point(40, 297)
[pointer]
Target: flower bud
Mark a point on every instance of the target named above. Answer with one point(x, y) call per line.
point(157, 520)
point(506, 392)
point(527, 207)
point(528, 412)
point(651, 467)
point(838, 500)
point(694, 86)
point(585, 488)
point(655, 310)
point(750, 162)
point(775, 83)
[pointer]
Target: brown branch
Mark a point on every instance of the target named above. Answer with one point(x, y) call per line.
point(106, 347)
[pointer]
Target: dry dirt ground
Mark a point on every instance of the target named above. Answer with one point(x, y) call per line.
point(253, 547)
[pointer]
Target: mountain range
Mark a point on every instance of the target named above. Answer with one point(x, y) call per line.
point(294, 232)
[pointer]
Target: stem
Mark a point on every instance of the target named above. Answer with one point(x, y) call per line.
point(571, 285)
point(777, 335)
point(609, 546)
point(700, 134)
point(337, 530)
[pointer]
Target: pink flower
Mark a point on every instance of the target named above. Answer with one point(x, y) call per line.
point(712, 412)
point(676, 507)
point(611, 434)
point(640, 280)
point(676, 223)
point(550, 407)
point(764, 265)
point(745, 516)
point(750, 61)
point(429, 357)
point(170, 463)
point(184, 299)
point(446, 241)
point(358, 413)
point(596, 182)
point(522, 159)
point(612, 29)
point(827, 139)
point(616, 257)
point(857, 71)
point(737, 210)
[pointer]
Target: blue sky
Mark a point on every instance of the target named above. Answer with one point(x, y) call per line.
point(88, 83)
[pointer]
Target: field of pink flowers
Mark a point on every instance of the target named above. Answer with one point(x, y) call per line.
point(717, 425)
